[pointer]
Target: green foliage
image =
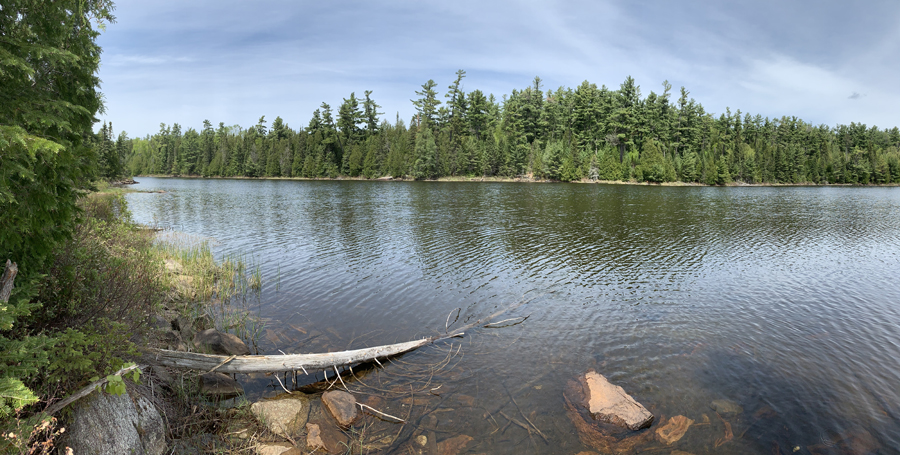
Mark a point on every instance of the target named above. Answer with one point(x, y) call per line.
point(425, 155)
point(564, 134)
point(115, 383)
point(48, 100)
point(653, 167)
point(14, 396)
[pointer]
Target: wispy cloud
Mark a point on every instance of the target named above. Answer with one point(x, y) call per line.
point(123, 60)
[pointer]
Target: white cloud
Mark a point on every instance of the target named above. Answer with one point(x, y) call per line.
point(175, 62)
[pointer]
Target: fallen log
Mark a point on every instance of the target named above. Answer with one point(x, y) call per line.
point(286, 362)
point(300, 362)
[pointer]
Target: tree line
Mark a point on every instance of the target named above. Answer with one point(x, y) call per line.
point(566, 134)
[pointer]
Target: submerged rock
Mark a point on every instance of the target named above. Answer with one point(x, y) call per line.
point(220, 385)
point(342, 406)
point(211, 341)
point(726, 407)
point(609, 403)
point(674, 429)
point(324, 436)
point(855, 442)
point(284, 417)
point(604, 437)
point(454, 445)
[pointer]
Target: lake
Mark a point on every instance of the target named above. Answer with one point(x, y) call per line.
point(782, 301)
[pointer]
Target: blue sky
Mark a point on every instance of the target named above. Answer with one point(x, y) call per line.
point(186, 61)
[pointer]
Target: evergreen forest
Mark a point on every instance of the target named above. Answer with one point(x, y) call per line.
point(586, 133)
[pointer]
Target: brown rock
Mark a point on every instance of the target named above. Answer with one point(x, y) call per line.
point(466, 400)
point(277, 448)
point(856, 442)
point(324, 436)
point(674, 429)
point(212, 341)
point(591, 434)
point(726, 407)
point(313, 439)
point(220, 385)
point(453, 445)
point(284, 417)
point(609, 403)
point(342, 406)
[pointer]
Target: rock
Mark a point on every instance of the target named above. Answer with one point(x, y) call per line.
point(680, 452)
point(211, 341)
point(114, 424)
point(726, 407)
point(277, 448)
point(284, 417)
point(342, 406)
point(313, 438)
point(856, 442)
point(466, 400)
point(220, 385)
point(184, 326)
point(422, 440)
point(674, 429)
point(453, 445)
point(198, 444)
point(324, 436)
point(160, 323)
point(609, 403)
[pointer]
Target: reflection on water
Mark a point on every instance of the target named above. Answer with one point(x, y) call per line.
point(782, 300)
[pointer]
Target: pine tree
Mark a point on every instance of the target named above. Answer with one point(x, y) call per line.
point(425, 155)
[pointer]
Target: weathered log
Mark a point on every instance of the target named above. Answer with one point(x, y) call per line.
point(6, 281)
point(287, 362)
point(302, 362)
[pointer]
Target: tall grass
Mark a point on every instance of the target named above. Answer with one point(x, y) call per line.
point(227, 291)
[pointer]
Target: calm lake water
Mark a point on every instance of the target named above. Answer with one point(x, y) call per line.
point(784, 301)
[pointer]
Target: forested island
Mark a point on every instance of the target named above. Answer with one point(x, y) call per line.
point(586, 133)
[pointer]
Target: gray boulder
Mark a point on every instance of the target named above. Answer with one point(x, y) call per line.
point(104, 424)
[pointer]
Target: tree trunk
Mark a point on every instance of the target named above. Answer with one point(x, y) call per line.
point(6, 281)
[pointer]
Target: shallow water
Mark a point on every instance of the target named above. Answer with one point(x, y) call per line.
point(782, 300)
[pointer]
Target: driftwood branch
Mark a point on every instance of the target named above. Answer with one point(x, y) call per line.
point(287, 362)
point(6, 280)
point(294, 362)
point(58, 406)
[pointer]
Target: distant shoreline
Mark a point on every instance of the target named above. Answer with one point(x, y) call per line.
point(524, 180)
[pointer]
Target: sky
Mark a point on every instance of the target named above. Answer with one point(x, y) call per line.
point(824, 61)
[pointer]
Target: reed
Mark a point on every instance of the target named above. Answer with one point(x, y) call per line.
point(228, 290)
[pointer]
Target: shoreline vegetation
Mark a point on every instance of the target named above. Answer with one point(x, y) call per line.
point(586, 133)
point(112, 290)
point(525, 179)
